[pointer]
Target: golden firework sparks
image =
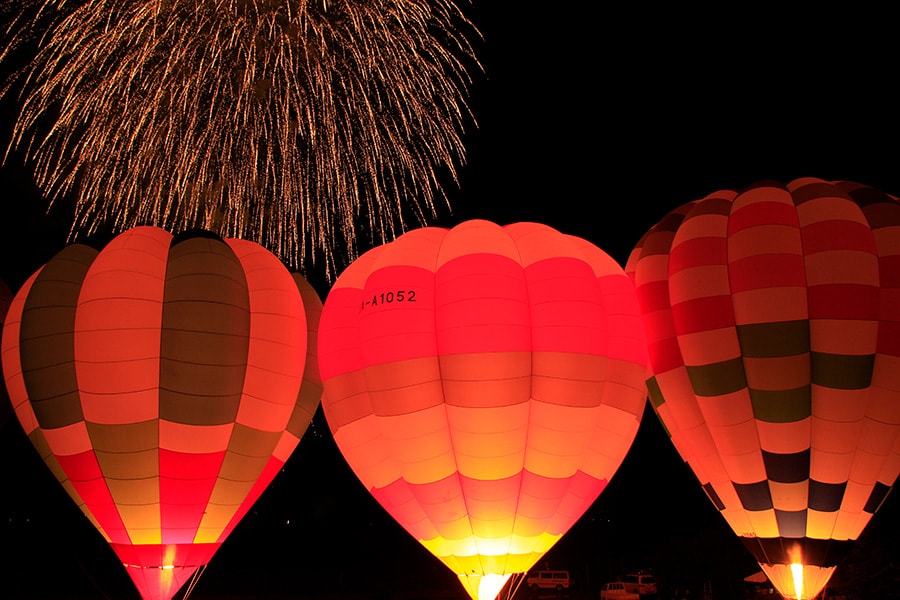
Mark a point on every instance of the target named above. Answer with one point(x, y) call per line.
point(304, 125)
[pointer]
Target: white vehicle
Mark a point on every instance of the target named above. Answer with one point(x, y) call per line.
point(641, 583)
point(615, 590)
point(548, 580)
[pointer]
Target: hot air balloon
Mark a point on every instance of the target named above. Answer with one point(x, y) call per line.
point(484, 383)
point(773, 322)
point(163, 381)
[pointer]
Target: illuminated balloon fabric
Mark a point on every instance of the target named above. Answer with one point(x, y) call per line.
point(484, 383)
point(772, 323)
point(160, 378)
point(5, 299)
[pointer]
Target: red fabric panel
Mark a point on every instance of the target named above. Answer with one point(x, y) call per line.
point(696, 252)
point(81, 468)
point(665, 355)
point(889, 268)
point(481, 306)
point(654, 296)
point(86, 478)
point(759, 210)
point(339, 350)
point(843, 301)
point(703, 314)
point(837, 235)
point(766, 271)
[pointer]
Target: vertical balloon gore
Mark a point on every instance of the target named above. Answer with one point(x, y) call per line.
point(773, 326)
point(484, 383)
point(163, 381)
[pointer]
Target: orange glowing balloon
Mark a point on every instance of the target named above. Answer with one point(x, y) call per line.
point(484, 383)
point(773, 323)
point(163, 381)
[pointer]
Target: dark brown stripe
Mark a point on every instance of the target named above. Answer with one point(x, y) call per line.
point(656, 242)
point(714, 497)
point(865, 196)
point(786, 468)
point(249, 451)
point(842, 371)
point(879, 493)
point(883, 215)
point(46, 340)
point(818, 189)
point(781, 406)
point(654, 393)
point(754, 496)
point(126, 450)
point(305, 407)
point(773, 340)
point(826, 497)
point(712, 205)
point(718, 378)
point(791, 523)
point(205, 333)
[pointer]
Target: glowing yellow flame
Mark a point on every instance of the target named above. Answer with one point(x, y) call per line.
point(797, 571)
point(490, 586)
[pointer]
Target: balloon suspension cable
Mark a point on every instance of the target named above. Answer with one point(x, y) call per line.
point(512, 586)
point(194, 579)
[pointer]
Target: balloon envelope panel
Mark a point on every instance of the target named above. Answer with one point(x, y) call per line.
point(484, 383)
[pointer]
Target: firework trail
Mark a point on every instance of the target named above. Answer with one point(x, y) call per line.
point(304, 125)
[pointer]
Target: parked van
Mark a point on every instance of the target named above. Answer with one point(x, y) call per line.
point(615, 590)
point(642, 583)
point(553, 580)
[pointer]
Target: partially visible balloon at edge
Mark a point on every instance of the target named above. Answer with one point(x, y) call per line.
point(773, 323)
point(164, 381)
point(6, 297)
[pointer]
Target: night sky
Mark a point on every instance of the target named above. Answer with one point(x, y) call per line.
point(596, 122)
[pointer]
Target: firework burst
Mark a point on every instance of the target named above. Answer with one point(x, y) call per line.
point(304, 125)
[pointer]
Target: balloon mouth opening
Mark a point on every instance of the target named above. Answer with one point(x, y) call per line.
point(486, 586)
point(798, 581)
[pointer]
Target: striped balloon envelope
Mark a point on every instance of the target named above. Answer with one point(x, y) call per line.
point(484, 383)
point(164, 381)
point(773, 323)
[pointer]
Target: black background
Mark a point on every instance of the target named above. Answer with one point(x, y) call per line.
point(596, 121)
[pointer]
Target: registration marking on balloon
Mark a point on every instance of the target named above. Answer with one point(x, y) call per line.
point(380, 299)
